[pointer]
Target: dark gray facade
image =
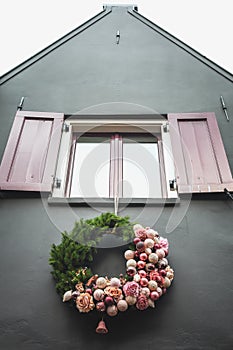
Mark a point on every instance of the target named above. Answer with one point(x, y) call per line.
point(148, 72)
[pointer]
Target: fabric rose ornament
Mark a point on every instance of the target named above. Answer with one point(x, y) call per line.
point(142, 302)
point(141, 234)
point(131, 289)
point(114, 292)
point(163, 242)
point(85, 303)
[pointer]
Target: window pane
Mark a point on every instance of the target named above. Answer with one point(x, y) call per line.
point(141, 170)
point(91, 169)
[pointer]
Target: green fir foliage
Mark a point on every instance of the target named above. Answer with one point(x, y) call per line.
point(66, 259)
point(71, 258)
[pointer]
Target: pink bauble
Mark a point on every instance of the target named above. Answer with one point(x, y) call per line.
point(112, 310)
point(140, 246)
point(142, 273)
point(143, 256)
point(122, 305)
point(89, 290)
point(129, 254)
point(136, 240)
point(143, 282)
point(141, 264)
point(100, 306)
point(109, 300)
point(163, 273)
point(154, 295)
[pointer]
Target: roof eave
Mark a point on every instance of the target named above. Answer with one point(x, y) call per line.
point(25, 64)
point(226, 74)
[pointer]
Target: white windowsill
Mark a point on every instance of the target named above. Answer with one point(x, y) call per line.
point(110, 201)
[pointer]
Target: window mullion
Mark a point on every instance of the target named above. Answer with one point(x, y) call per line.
point(120, 167)
point(112, 167)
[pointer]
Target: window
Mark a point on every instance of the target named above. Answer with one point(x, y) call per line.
point(111, 165)
point(122, 158)
point(125, 159)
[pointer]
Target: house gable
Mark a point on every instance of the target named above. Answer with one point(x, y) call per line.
point(148, 71)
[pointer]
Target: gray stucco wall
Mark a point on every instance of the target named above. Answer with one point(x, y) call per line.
point(144, 70)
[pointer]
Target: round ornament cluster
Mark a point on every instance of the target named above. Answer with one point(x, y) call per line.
point(148, 275)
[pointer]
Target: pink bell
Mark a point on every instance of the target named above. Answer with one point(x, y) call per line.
point(101, 328)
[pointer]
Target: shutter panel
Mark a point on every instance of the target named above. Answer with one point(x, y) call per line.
point(200, 159)
point(30, 156)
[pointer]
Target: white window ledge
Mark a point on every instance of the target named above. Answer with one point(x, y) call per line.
point(110, 201)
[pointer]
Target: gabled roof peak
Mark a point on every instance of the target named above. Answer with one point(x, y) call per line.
point(127, 6)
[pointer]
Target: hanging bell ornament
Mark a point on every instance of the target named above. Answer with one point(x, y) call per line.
point(101, 328)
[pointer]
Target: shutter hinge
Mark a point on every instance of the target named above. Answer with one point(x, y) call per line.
point(57, 183)
point(65, 127)
point(173, 185)
point(166, 127)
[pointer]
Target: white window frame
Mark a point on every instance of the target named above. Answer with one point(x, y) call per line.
point(72, 126)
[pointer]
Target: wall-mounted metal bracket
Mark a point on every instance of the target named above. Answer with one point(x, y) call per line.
point(118, 35)
point(20, 105)
point(228, 193)
point(224, 107)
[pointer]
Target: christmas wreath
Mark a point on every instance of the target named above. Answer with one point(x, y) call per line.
point(147, 277)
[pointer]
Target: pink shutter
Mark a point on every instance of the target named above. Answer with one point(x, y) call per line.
point(29, 159)
point(200, 159)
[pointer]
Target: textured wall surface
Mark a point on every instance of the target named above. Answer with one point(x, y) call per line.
point(144, 73)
